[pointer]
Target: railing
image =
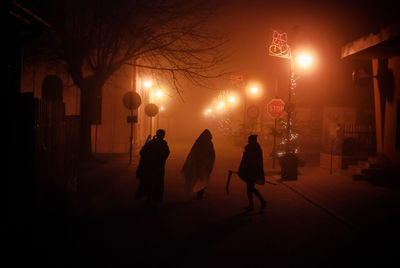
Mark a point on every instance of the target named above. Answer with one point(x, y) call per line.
point(359, 136)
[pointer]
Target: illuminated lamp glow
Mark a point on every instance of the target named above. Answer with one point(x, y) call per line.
point(305, 60)
point(254, 90)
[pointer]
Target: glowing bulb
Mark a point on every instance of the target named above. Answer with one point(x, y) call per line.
point(254, 90)
point(222, 104)
point(231, 99)
point(304, 60)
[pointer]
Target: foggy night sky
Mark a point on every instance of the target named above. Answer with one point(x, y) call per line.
point(321, 26)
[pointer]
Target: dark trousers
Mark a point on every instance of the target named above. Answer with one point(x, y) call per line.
point(250, 190)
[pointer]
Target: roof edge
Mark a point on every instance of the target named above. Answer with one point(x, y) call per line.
point(370, 40)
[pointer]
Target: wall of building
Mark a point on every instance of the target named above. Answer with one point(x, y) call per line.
point(386, 113)
point(113, 133)
point(391, 115)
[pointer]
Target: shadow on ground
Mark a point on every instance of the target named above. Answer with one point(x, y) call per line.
point(388, 178)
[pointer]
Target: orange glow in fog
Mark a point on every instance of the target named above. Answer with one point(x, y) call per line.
point(305, 60)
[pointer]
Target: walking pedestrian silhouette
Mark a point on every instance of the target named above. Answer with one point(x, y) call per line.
point(198, 165)
point(251, 170)
point(151, 169)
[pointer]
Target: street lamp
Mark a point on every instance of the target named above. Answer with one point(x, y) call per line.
point(280, 48)
point(253, 91)
point(305, 60)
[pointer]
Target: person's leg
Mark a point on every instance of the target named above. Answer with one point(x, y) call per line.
point(250, 189)
point(200, 194)
point(262, 200)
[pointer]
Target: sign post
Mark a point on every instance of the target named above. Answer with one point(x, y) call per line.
point(275, 109)
point(151, 110)
point(132, 101)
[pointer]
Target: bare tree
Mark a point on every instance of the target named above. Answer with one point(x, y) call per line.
point(95, 38)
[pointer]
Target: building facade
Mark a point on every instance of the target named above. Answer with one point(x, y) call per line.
point(383, 50)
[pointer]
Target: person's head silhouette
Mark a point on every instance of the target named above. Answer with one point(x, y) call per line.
point(160, 134)
point(206, 134)
point(252, 139)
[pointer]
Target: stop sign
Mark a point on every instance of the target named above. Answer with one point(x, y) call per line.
point(275, 108)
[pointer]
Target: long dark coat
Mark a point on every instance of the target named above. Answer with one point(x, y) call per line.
point(199, 163)
point(151, 169)
point(251, 167)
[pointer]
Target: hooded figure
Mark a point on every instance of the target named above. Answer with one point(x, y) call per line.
point(251, 170)
point(199, 164)
point(151, 168)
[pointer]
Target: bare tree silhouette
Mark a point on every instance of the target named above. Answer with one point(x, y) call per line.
point(94, 39)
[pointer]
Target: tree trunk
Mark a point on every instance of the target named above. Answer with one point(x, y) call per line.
point(85, 127)
point(90, 113)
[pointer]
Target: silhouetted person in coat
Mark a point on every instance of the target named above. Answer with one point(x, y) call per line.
point(199, 164)
point(151, 169)
point(251, 170)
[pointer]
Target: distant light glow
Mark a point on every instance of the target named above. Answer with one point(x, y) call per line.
point(231, 99)
point(222, 104)
point(162, 108)
point(159, 94)
point(208, 112)
point(148, 84)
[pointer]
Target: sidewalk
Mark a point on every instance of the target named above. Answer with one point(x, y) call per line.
point(358, 202)
point(371, 211)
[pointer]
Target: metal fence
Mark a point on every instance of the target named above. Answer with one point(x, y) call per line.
point(359, 137)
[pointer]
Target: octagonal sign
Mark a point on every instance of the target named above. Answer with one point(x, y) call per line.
point(275, 108)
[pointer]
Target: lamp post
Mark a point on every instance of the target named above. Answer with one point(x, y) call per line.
point(280, 48)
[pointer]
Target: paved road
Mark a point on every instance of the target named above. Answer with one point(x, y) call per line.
point(304, 224)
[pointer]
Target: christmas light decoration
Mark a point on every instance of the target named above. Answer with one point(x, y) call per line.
point(280, 48)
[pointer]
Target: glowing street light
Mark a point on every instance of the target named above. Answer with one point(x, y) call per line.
point(254, 90)
point(304, 60)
